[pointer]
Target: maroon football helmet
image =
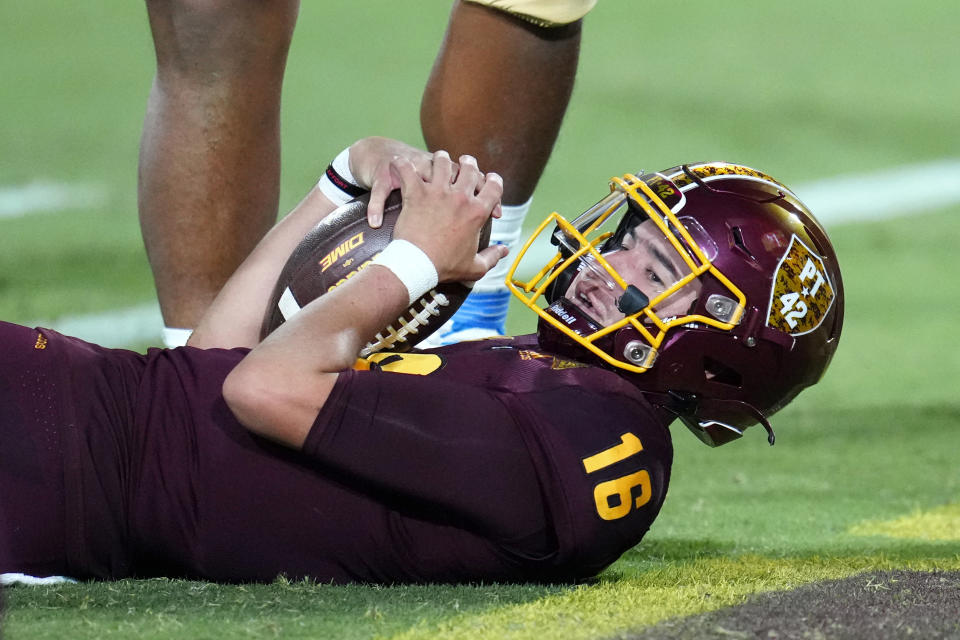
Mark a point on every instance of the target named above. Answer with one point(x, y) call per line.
point(710, 286)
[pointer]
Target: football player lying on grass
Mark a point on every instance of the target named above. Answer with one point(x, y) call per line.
point(713, 300)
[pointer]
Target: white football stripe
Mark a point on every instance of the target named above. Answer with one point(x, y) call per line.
point(44, 196)
point(288, 305)
point(902, 191)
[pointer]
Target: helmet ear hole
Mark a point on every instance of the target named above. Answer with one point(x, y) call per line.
point(716, 371)
point(738, 242)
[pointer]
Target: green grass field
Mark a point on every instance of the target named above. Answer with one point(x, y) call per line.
point(866, 471)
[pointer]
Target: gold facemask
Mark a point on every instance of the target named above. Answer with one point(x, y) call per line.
point(581, 246)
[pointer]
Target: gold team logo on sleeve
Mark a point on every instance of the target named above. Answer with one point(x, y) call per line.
point(420, 364)
point(556, 363)
point(802, 292)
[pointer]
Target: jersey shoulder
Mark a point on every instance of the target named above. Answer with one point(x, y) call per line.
point(606, 460)
point(512, 364)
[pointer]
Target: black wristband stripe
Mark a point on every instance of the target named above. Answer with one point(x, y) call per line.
point(348, 188)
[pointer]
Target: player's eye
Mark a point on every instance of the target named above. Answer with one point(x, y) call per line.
point(653, 277)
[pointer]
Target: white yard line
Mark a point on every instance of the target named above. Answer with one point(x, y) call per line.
point(45, 196)
point(902, 191)
point(118, 328)
point(890, 193)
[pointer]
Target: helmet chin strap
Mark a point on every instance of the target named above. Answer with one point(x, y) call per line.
point(687, 405)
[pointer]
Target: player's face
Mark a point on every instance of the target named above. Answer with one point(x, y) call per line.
point(645, 259)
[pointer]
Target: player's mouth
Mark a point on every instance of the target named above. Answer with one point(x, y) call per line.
point(598, 301)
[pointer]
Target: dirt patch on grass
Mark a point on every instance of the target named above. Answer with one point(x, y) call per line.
point(879, 606)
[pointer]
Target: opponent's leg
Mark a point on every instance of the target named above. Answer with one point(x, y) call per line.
point(498, 90)
point(210, 151)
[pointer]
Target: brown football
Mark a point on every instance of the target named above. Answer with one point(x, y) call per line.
point(335, 250)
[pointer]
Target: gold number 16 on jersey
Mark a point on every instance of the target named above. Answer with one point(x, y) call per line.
point(621, 487)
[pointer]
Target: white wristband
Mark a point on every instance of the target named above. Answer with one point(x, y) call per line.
point(411, 265)
point(341, 164)
point(338, 182)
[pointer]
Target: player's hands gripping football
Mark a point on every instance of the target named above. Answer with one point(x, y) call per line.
point(443, 214)
point(370, 160)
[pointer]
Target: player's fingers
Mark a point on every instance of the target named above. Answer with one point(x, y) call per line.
point(423, 162)
point(469, 177)
point(488, 259)
point(443, 168)
point(491, 191)
point(497, 210)
point(404, 173)
point(383, 184)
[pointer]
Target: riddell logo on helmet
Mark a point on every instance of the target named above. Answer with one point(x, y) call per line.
point(343, 249)
point(563, 314)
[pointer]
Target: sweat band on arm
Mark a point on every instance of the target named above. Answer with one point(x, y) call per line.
point(338, 183)
point(411, 265)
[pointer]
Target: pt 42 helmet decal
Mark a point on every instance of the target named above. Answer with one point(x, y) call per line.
point(802, 293)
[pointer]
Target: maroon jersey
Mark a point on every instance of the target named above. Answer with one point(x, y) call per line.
point(479, 461)
point(600, 457)
point(65, 415)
